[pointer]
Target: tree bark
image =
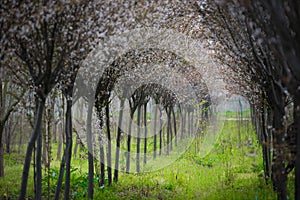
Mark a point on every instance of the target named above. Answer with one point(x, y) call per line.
point(154, 132)
point(109, 174)
point(129, 142)
point(160, 132)
point(38, 190)
point(174, 123)
point(68, 149)
point(297, 131)
point(145, 127)
point(169, 142)
point(116, 172)
point(36, 132)
point(90, 151)
point(138, 140)
point(279, 176)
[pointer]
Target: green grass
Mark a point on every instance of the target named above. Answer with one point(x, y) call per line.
point(232, 170)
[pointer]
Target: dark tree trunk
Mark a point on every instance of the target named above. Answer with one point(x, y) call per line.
point(154, 132)
point(36, 132)
point(279, 176)
point(38, 190)
point(109, 174)
point(138, 145)
point(60, 178)
point(129, 142)
point(297, 131)
point(169, 131)
point(90, 151)
point(68, 150)
point(116, 172)
point(145, 127)
point(102, 157)
point(160, 132)
point(102, 164)
point(174, 123)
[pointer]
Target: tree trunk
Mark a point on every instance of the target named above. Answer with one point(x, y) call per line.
point(109, 174)
point(102, 165)
point(36, 132)
point(60, 178)
point(169, 143)
point(154, 132)
point(129, 142)
point(116, 172)
point(279, 176)
point(145, 127)
point(138, 140)
point(102, 157)
point(297, 131)
point(160, 132)
point(38, 191)
point(90, 151)
point(68, 149)
point(174, 122)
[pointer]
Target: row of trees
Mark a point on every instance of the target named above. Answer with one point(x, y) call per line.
point(42, 46)
point(257, 44)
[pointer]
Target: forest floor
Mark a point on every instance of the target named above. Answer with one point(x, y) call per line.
point(232, 170)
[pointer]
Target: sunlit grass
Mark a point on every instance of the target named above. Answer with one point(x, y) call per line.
point(232, 170)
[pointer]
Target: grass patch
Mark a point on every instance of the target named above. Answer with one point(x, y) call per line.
point(232, 170)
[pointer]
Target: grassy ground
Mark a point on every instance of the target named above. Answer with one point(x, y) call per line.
point(233, 170)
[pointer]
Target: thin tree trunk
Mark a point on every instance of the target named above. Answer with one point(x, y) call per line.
point(109, 174)
point(129, 142)
point(265, 146)
point(160, 133)
point(36, 132)
point(68, 150)
point(154, 132)
point(168, 131)
point(138, 140)
point(38, 191)
point(90, 151)
point(116, 172)
point(175, 129)
point(60, 178)
point(145, 127)
point(102, 157)
point(182, 124)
